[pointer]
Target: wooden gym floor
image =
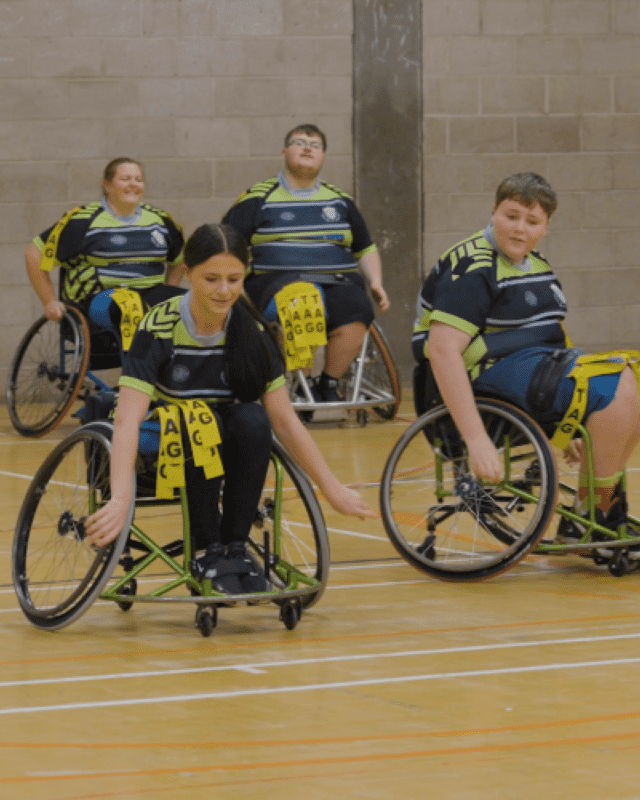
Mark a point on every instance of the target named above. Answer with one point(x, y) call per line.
point(394, 685)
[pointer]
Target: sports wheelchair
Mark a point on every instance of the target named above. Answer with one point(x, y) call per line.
point(372, 383)
point(54, 365)
point(58, 573)
point(452, 526)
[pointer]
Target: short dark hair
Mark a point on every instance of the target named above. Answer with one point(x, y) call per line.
point(309, 130)
point(528, 188)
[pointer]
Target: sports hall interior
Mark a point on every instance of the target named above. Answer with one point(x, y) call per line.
point(394, 684)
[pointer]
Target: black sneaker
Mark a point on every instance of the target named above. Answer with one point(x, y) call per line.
point(251, 575)
point(328, 389)
point(214, 566)
point(312, 383)
point(571, 532)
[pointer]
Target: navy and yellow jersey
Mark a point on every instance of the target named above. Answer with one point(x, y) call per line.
point(166, 363)
point(99, 251)
point(476, 289)
point(322, 233)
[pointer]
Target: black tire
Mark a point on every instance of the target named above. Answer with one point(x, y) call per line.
point(206, 619)
point(57, 573)
point(449, 525)
point(47, 373)
point(296, 531)
point(290, 614)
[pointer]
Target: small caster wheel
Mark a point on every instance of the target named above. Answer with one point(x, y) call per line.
point(130, 588)
point(362, 416)
point(619, 566)
point(206, 619)
point(290, 613)
point(598, 559)
point(426, 549)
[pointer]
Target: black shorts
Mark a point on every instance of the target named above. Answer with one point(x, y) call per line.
point(345, 295)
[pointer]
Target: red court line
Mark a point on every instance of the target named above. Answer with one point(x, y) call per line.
point(377, 757)
point(328, 740)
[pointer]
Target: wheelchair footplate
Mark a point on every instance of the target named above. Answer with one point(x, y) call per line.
point(618, 549)
point(292, 589)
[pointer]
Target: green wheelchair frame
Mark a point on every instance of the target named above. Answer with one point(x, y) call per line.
point(616, 542)
point(58, 574)
point(450, 525)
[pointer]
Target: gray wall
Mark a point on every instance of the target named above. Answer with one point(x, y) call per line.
point(203, 91)
point(553, 86)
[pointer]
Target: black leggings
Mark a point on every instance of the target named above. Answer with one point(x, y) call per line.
point(246, 447)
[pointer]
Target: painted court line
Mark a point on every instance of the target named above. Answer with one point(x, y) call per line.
point(314, 687)
point(260, 668)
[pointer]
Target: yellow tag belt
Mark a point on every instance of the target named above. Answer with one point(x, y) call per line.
point(131, 313)
point(51, 245)
point(204, 437)
point(301, 313)
point(589, 366)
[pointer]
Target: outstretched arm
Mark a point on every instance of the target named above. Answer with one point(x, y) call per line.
point(105, 525)
point(446, 345)
point(300, 444)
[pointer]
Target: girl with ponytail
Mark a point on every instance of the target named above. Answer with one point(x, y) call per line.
point(211, 345)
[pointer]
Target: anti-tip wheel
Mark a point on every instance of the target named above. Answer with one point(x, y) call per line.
point(206, 619)
point(130, 588)
point(290, 613)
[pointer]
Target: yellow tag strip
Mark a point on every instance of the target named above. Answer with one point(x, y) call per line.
point(589, 366)
point(171, 456)
point(301, 313)
point(51, 245)
point(204, 436)
point(132, 311)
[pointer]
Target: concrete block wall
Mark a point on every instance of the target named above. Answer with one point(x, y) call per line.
point(201, 91)
point(552, 86)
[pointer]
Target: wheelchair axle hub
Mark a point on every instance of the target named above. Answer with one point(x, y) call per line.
point(68, 525)
point(49, 371)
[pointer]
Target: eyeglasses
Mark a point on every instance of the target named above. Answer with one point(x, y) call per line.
point(305, 143)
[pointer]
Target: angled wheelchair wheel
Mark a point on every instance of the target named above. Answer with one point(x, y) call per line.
point(290, 534)
point(57, 572)
point(447, 523)
point(47, 373)
point(380, 376)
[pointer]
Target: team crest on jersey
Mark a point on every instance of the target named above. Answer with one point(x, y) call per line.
point(180, 373)
point(157, 238)
point(530, 298)
point(118, 238)
point(287, 216)
point(559, 295)
point(330, 214)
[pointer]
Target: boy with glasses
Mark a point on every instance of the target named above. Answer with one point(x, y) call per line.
point(302, 228)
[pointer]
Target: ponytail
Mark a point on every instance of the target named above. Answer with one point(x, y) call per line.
point(251, 364)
